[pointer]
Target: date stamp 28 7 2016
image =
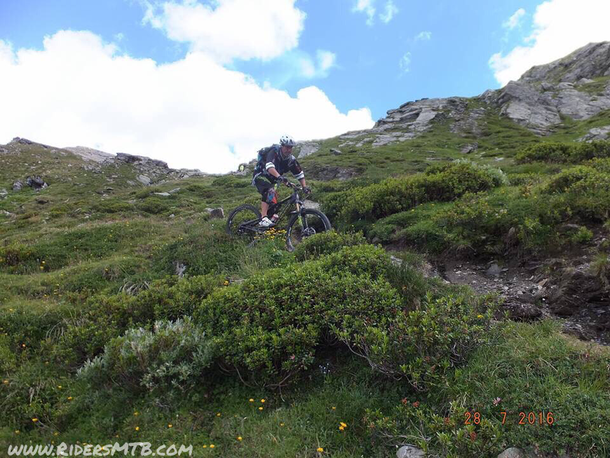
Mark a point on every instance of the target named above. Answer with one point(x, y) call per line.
point(540, 418)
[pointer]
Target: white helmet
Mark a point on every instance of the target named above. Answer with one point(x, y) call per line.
point(287, 140)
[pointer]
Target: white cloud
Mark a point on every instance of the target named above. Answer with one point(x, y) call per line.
point(405, 63)
point(389, 12)
point(193, 112)
point(560, 27)
point(242, 29)
point(368, 7)
point(365, 6)
point(423, 36)
point(514, 20)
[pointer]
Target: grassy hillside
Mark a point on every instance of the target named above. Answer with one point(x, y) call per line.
point(333, 350)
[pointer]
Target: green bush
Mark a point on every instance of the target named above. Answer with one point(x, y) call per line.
point(570, 153)
point(441, 183)
point(169, 359)
point(269, 327)
point(326, 243)
point(153, 205)
point(582, 235)
point(423, 344)
point(106, 317)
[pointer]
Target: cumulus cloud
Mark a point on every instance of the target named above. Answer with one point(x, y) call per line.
point(230, 29)
point(514, 20)
point(423, 36)
point(192, 113)
point(405, 63)
point(389, 12)
point(560, 27)
point(368, 7)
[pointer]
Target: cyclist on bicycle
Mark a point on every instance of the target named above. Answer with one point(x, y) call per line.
point(273, 162)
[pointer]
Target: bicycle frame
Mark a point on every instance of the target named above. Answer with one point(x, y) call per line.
point(280, 208)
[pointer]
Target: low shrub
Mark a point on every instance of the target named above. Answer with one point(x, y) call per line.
point(441, 183)
point(326, 243)
point(106, 317)
point(169, 359)
point(569, 153)
point(423, 344)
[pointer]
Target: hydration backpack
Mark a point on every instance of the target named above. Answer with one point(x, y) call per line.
point(260, 162)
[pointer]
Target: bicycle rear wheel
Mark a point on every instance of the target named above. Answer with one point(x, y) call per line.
point(242, 219)
point(308, 223)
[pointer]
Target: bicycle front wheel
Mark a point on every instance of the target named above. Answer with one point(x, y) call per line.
point(308, 223)
point(242, 219)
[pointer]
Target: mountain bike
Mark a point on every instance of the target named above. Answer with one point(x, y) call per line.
point(302, 223)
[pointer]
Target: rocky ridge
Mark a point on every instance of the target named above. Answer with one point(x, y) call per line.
point(146, 171)
point(576, 86)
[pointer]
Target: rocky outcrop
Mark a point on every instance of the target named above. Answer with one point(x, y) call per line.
point(307, 148)
point(596, 133)
point(577, 86)
point(89, 154)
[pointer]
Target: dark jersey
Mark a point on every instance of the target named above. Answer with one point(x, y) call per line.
point(273, 158)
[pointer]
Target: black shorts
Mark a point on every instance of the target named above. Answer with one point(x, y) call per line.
point(263, 185)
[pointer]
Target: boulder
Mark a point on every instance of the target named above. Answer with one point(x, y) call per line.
point(36, 182)
point(307, 148)
point(215, 212)
point(335, 152)
point(17, 185)
point(467, 149)
point(408, 451)
point(512, 452)
point(3, 193)
point(144, 180)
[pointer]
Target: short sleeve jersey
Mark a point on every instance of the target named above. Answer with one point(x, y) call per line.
point(273, 158)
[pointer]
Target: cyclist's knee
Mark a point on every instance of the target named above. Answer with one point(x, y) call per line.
point(271, 196)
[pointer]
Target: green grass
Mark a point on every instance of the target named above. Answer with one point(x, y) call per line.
point(92, 247)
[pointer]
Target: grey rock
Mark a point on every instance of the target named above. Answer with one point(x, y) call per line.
point(307, 148)
point(525, 312)
point(512, 452)
point(174, 191)
point(335, 151)
point(89, 154)
point(36, 182)
point(3, 193)
point(215, 212)
point(163, 194)
point(17, 185)
point(179, 268)
point(597, 133)
point(467, 149)
point(144, 180)
point(576, 287)
point(5, 213)
point(494, 270)
point(409, 451)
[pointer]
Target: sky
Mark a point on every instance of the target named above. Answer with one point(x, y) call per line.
point(206, 83)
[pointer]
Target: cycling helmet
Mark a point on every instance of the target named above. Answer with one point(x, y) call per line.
point(287, 140)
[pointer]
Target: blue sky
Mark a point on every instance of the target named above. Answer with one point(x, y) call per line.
point(214, 64)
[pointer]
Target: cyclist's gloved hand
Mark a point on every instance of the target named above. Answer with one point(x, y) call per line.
point(282, 179)
point(306, 190)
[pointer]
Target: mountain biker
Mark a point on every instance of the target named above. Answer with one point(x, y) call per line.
point(274, 161)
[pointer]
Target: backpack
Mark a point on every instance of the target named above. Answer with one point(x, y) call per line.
point(260, 159)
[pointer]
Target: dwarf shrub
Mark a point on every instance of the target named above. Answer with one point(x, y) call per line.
point(326, 243)
point(106, 317)
point(442, 183)
point(170, 358)
point(569, 153)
